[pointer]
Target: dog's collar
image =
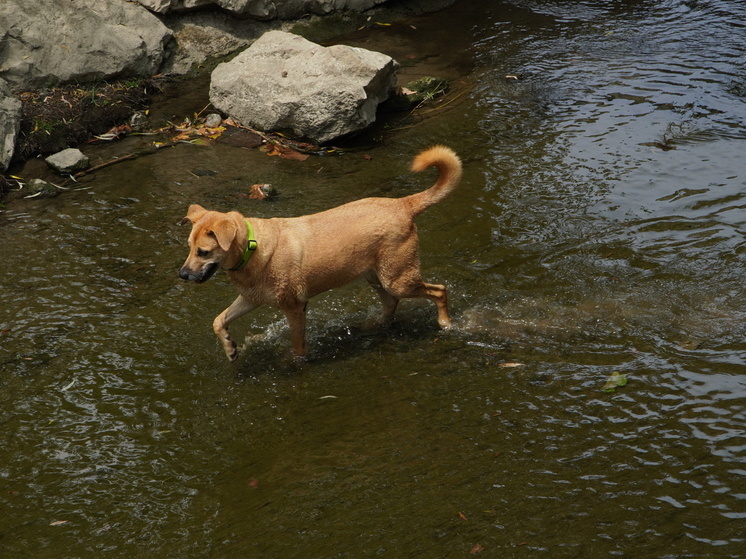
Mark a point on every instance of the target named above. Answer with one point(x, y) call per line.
point(249, 250)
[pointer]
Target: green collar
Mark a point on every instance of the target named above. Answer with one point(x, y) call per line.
point(249, 250)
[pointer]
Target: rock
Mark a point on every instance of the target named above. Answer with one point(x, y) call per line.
point(68, 161)
point(213, 120)
point(240, 138)
point(285, 83)
point(37, 188)
point(10, 121)
point(46, 43)
point(264, 9)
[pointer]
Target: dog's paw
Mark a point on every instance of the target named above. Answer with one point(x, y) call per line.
point(232, 352)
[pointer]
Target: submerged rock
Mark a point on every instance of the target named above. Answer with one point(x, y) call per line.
point(37, 188)
point(68, 161)
point(285, 83)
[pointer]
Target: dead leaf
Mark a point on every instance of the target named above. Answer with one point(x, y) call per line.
point(476, 549)
point(286, 152)
point(462, 516)
point(511, 365)
point(261, 191)
point(211, 133)
point(254, 483)
point(59, 522)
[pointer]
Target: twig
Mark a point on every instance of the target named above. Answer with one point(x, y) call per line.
point(105, 164)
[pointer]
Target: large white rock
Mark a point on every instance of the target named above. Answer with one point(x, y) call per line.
point(45, 43)
point(10, 121)
point(285, 83)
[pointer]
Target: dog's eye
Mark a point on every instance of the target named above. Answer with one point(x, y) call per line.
point(202, 252)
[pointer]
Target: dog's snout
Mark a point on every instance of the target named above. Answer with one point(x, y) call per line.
point(184, 274)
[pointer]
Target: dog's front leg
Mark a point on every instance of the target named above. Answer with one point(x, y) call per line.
point(238, 308)
point(296, 315)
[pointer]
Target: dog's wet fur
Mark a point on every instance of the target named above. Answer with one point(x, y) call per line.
point(297, 258)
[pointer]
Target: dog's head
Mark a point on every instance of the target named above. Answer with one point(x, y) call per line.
point(211, 243)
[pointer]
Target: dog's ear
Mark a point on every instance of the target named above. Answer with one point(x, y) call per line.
point(194, 213)
point(224, 231)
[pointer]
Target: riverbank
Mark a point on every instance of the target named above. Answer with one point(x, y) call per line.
point(68, 115)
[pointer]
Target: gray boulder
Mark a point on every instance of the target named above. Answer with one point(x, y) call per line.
point(68, 161)
point(285, 83)
point(10, 121)
point(264, 9)
point(45, 43)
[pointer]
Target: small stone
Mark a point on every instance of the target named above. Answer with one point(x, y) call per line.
point(213, 120)
point(68, 161)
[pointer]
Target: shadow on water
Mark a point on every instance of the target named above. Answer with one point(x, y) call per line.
point(598, 230)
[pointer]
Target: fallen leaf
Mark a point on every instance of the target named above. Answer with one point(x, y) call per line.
point(511, 364)
point(211, 133)
point(476, 549)
point(286, 153)
point(462, 516)
point(615, 380)
point(254, 483)
point(59, 522)
point(261, 191)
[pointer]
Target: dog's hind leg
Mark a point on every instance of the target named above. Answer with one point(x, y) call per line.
point(416, 288)
point(400, 278)
point(439, 295)
point(238, 308)
point(387, 299)
point(408, 284)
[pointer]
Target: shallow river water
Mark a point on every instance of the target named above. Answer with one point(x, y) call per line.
point(599, 229)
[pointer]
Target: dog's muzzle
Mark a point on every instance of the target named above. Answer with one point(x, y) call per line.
point(202, 275)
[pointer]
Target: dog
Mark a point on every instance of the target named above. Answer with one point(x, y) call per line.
point(283, 262)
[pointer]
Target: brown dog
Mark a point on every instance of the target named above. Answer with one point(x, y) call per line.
point(283, 262)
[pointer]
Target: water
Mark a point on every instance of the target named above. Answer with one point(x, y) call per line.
point(598, 229)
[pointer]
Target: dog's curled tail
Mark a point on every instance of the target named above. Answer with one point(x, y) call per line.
point(449, 174)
